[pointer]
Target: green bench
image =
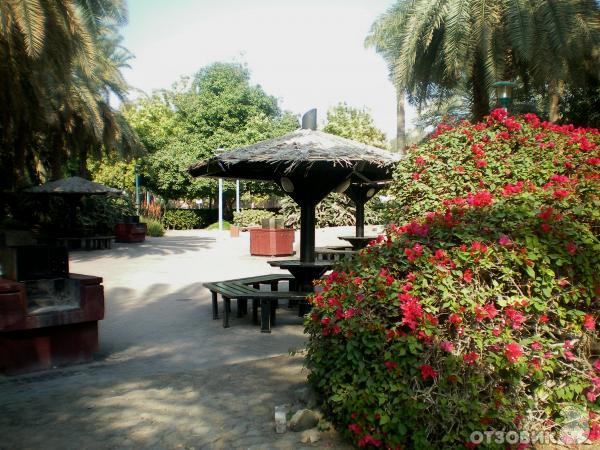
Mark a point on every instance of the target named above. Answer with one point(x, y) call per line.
point(244, 289)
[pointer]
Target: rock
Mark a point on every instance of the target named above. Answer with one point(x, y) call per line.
point(304, 420)
point(310, 436)
point(306, 396)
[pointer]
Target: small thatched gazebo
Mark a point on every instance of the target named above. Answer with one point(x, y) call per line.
point(73, 186)
point(307, 164)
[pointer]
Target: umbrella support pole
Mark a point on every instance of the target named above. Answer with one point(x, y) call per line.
point(360, 218)
point(307, 230)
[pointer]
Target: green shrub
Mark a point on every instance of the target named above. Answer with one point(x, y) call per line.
point(154, 227)
point(215, 226)
point(480, 315)
point(180, 219)
point(333, 211)
point(251, 217)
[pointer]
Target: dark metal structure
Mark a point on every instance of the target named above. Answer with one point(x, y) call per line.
point(307, 165)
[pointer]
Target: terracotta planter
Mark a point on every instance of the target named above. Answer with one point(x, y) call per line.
point(130, 232)
point(271, 241)
point(234, 231)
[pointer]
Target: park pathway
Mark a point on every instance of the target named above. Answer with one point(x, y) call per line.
point(167, 376)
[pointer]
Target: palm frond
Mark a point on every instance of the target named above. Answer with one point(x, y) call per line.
point(29, 18)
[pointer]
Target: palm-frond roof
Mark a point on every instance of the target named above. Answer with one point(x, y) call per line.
point(300, 150)
point(72, 185)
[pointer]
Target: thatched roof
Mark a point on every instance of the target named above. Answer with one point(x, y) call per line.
point(301, 150)
point(72, 185)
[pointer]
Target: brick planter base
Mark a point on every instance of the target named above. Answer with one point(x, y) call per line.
point(130, 232)
point(271, 241)
point(35, 337)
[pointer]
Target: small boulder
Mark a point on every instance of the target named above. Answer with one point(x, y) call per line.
point(304, 419)
point(310, 436)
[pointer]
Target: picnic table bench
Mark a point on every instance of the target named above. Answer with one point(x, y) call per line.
point(333, 253)
point(244, 289)
point(86, 242)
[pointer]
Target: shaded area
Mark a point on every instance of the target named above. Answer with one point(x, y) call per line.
point(226, 407)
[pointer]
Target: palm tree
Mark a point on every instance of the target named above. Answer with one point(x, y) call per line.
point(434, 47)
point(59, 62)
point(382, 37)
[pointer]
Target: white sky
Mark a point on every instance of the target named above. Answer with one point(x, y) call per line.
point(308, 53)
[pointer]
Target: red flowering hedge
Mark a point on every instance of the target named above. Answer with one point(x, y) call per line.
point(480, 315)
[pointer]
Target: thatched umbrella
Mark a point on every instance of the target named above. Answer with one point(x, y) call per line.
point(73, 186)
point(72, 189)
point(307, 165)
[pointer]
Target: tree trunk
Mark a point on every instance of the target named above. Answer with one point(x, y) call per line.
point(556, 91)
point(481, 98)
point(400, 122)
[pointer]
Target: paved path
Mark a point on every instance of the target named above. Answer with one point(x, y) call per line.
point(167, 375)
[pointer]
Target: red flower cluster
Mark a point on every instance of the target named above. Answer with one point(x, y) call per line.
point(480, 199)
point(428, 372)
point(513, 352)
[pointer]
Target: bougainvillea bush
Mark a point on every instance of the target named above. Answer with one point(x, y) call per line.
point(479, 313)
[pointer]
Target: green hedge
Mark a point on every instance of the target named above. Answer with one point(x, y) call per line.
point(187, 219)
point(251, 217)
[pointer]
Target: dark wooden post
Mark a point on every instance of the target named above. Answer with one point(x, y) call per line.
point(307, 230)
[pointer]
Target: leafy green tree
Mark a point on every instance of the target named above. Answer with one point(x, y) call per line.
point(436, 47)
point(217, 109)
point(354, 123)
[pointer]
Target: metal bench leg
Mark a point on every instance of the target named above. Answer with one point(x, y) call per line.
point(265, 315)
point(303, 308)
point(255, 305)
point(226, 311)
point(215, 306)
point(242, 307)
point(274, 288)
point(273, 310)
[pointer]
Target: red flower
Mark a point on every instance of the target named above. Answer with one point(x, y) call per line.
point(477, 150)
point(491, 310)
point(589, 322)
point(499, 114)
point(468, 275)
point(416, 176)
point(561, 194)
point(449, 347)
point(546, 228)
point(510, 189)
point(536, 346)
point(546, 213)
point(513, 352)
point(368, 439)
point(470, 358)
point(516, 317)
point(325, 321)
point(412, 312)
point(420, 161)
point(543, 318)
point(593, 161)
point(571, 248)
point(355, 428)
point(455, 318)
point(427, 372)
point(391, 365)
point(560, 179)
point(504, 240)
point(480, 199)
point(480, 163)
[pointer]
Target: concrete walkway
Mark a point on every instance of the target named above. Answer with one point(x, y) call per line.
point(167, 375)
